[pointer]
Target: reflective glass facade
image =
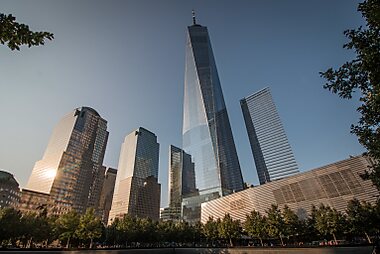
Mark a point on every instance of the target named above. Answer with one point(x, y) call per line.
point(71, 169)
point(207, 134)
point(105, 201)
point(272, 153)
point(181, 176)
point(137, 191)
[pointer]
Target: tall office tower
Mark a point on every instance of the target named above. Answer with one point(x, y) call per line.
point(71, 167)
point(273, 156)
point(207, 134)
point(107, 193)
point(137, 191)
point(181, 177)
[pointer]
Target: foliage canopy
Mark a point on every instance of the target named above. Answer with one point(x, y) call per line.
point(362, 74)
point(14, 34)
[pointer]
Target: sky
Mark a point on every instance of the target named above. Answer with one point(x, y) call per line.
point(126, 59)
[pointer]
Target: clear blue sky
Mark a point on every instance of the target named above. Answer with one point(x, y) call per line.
point(126, 59)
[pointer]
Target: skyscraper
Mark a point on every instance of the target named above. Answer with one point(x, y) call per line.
point(105, 201)
point(137, 191)
point(181, 176)
point(71, 167)
point(273, 156)
point(207, 134)
point(9, 190)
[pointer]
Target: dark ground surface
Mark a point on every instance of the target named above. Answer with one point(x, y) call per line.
point(247, 250)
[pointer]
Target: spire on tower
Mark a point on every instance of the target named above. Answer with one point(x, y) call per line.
point(194, 22)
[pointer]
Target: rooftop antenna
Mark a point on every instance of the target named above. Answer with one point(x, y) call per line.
point(194, 22)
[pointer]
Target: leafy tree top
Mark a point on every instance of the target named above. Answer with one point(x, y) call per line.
point(363, 75)
point(14, 34)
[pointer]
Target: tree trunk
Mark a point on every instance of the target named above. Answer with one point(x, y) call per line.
point(368, 238)
point(282, 242)
point(68, 243)
point(231, 244)
point(29, 244)
point(91, 243)
point(261, 241)
point(335, 239)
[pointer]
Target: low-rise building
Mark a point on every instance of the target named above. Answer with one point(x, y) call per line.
point(34, 201)
point(333, 185)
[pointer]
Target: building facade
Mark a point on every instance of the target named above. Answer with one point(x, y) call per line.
point(333, 185)
point(181, 177)
point(34, 202)
point(207, 134)
point(106, 195)
point(137, 191)
point(272, 153)
point(71, 168)
point(9, 190)
point(170, 214)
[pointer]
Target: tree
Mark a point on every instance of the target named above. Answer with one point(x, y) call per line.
point(210, 230)
point(167, 231)
point(90, 227)
point(361, 218)
point(310, 229)
point(29, 225)
point(14, 34)
point(292, 224)
point(329, 221)
point(66, 226)
point(42, 227)
point(275, 222)
point(126, 229)
point(229, 229)
point(146, 230)
point(363, 74)
point(112, 233)
point(10, 224)
point(184, 232)
point(255, 226)
point(198, 232)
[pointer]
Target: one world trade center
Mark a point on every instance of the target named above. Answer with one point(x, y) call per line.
point(207, 134)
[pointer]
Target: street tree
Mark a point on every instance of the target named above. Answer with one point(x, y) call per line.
point(255, 226)
point(292, 225)
point(229, 228)
point(310, 231)
point(330, 221)
point(210, 230)
point(361, 218)
point(66, 226)
point(10, 224)
point(90, 227)
point(167, 231)
point(198, 232)
point(146, 230)
point(362, 74)
point(275, 223)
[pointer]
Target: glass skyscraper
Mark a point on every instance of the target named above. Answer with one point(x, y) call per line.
point(137, 191)
point(105, 200)
point(181, 176)
point(71, 168)
point(272, 153)
point(207, 134)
